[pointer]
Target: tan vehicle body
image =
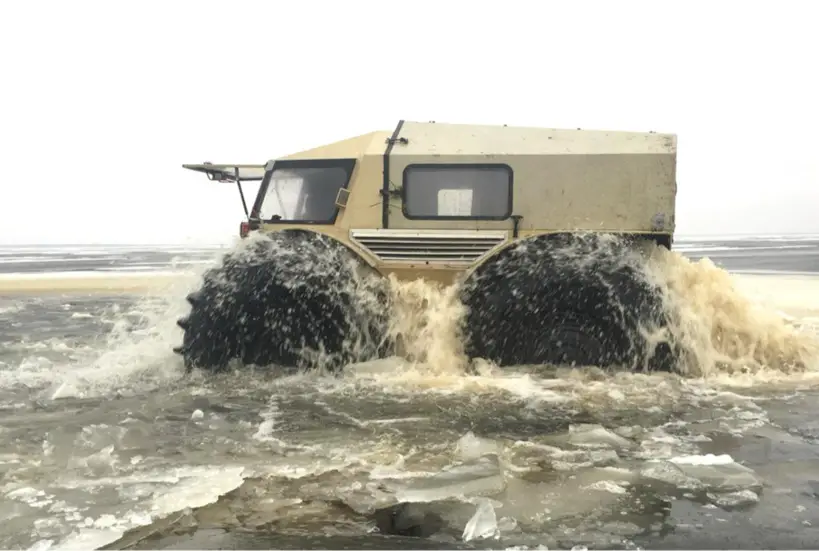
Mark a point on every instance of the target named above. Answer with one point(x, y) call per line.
point(559, 181)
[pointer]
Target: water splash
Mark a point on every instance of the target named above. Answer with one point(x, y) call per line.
point(426, 322)
point(131, 352)
point(719, 329)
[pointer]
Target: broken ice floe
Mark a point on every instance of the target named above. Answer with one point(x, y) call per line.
point(479, 477)
point(483, 524)
point(596, 436)
point(728, 483)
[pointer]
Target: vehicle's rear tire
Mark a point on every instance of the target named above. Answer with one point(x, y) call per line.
point(281, 299)
point(565, 299)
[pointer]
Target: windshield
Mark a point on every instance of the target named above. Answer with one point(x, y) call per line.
point(303, 194)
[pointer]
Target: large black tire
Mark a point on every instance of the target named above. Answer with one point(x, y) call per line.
point(565, 299)
point(281, 299)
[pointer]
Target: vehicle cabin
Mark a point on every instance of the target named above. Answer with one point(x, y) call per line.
point(432, 196)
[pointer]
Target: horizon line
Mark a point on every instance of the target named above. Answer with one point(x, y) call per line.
point(678, 237)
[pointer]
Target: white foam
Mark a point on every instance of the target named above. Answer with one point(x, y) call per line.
point(722, 330)
point(13, 309)
point(132, 359)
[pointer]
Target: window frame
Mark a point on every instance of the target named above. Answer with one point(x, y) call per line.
point(346, 164)
point(480, 166)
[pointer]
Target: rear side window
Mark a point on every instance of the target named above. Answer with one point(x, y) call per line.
point(458, 191)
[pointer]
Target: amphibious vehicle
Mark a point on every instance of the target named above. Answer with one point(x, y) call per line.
point(545, 231)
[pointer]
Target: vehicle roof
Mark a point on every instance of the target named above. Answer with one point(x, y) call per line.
point(448, 139)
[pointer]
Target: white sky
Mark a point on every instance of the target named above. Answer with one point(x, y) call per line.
point(103, 101)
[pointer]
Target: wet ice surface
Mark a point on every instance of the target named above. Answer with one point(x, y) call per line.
point(154, 459)
point(106, 443)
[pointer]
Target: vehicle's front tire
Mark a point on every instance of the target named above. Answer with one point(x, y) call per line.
point(567, 299)
point(289, 299)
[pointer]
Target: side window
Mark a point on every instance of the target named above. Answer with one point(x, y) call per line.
point(458, 191)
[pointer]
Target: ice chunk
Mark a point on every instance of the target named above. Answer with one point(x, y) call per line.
point(565, 496)
point(658, 444)
point(708, 459)
point(603, 458)
point(31, 497)
point(625, 529)
point(483, 524)
point(481, 477)
point(99, 463)
point(507, 524)
point(669, 473)
point(49, 527)
point(719, 473)
point(472, 447)
point(63, 389)
point(366, 499)
point(198, 489)
point(595, 436)
point(607, 486)
point(629, 432)
point(25, 494)
point(41, 545)
point(734, 499)
point(106, 521)
point(725, 477)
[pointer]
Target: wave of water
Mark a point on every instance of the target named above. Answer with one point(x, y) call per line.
point(107, 435)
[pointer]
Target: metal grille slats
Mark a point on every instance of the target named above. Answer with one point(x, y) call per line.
point(452, 247)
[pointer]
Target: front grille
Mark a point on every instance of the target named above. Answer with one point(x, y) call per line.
point(462, 247)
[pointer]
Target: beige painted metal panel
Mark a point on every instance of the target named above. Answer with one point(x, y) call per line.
point(433, 139)
point(372, 143)
point(579, 180)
